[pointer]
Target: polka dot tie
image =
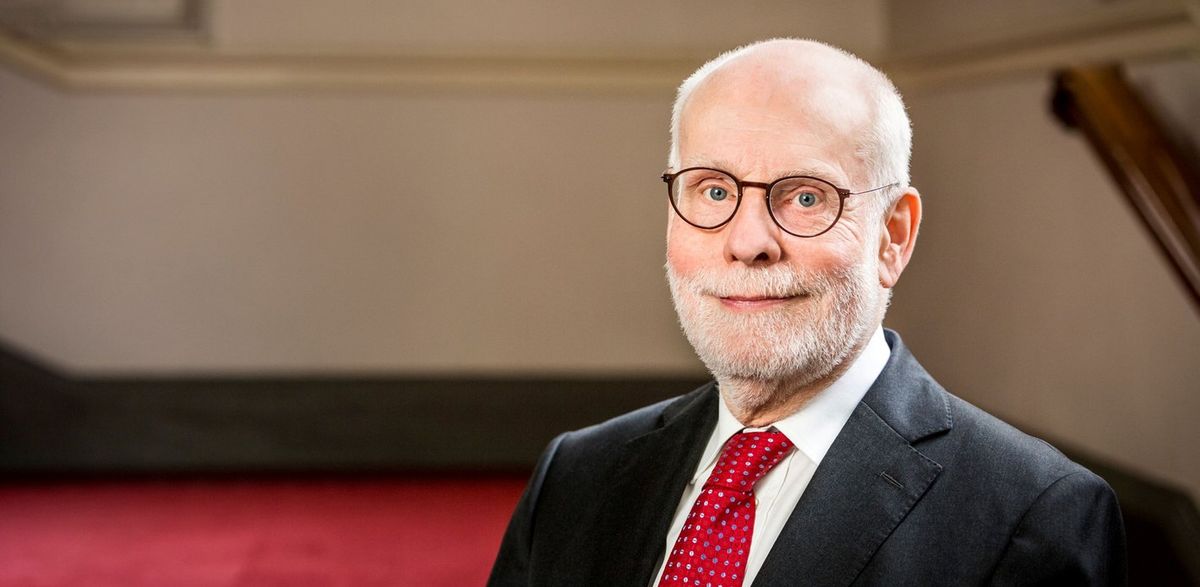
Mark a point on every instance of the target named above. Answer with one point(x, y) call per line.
point(715, 541)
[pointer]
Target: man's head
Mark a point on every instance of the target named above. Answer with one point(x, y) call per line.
point(759, 304)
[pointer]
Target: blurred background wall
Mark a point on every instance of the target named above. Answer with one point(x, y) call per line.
point(295, 188)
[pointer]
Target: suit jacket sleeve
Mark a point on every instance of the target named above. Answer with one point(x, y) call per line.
point(1072, 534)
point(512, 563)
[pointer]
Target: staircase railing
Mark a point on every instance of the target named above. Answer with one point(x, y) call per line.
point(1158, 175)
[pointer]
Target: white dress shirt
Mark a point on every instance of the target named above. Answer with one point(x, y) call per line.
point(812, 429)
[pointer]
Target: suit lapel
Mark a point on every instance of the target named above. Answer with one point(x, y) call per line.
point(849, 507)
point(653, 474)
point(867, 483)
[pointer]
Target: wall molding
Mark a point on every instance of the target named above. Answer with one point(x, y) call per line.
point(1166, 38)
point(191, 66)
point(190, 69)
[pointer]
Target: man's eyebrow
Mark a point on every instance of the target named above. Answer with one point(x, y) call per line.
point(818, 171)
point(710, 163)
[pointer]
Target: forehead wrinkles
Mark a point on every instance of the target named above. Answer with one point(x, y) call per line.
point(801, 105)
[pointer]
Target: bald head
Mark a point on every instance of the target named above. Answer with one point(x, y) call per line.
point(830, 88)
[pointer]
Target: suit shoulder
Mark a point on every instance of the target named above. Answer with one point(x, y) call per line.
point(1011, 454)
point(617, 431)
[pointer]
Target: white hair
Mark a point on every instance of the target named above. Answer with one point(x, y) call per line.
point(886, 145)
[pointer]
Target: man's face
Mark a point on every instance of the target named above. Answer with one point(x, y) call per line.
point(756, 302)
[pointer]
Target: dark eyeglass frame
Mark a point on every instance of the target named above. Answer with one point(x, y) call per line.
point(843, 193)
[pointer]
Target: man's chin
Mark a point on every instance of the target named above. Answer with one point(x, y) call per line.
point(754, 360)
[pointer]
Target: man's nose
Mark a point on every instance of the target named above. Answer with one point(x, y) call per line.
point(752, 237)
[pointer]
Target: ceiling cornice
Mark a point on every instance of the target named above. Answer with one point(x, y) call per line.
point(188, 69)
point(1168, 37)
point(193, 67)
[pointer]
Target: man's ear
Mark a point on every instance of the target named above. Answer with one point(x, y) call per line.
point(899, 237)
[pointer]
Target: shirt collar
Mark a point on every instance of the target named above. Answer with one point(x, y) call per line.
point(815, 425)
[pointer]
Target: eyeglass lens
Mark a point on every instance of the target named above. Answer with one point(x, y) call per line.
point(803, 206)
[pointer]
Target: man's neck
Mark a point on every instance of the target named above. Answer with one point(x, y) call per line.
point(762, 402)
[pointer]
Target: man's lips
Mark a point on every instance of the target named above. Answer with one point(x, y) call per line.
point(751, 303)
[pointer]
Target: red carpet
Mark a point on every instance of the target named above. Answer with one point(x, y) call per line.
point(345, 532)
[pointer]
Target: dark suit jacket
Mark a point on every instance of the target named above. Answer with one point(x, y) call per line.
point(919, 488)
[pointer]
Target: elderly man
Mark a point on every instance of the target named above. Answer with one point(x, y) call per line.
point(823, 454)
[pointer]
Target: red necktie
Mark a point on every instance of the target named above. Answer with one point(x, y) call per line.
point(715, 540)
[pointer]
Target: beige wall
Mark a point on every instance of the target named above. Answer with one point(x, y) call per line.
point(1035, 294)
point(442, 232)
point(447, 227)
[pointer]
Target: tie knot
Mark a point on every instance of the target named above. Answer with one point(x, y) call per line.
point(748, 456)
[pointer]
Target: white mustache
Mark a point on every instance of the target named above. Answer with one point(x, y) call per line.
point(768, 282)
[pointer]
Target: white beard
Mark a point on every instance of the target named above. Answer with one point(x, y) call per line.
point(798, 343)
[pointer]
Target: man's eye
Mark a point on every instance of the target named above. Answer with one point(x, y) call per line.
point(808, 199)
point(716, 194)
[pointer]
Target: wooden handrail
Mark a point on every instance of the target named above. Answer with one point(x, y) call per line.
point(1156, 174)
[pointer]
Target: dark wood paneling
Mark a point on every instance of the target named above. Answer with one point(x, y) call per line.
point(55, 424)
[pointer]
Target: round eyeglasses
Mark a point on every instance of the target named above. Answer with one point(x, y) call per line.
point(802, 206)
